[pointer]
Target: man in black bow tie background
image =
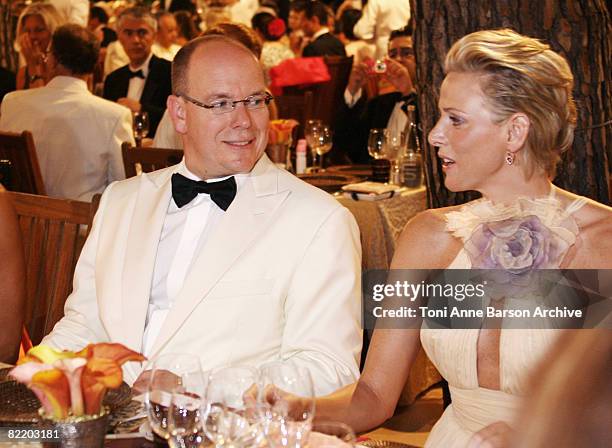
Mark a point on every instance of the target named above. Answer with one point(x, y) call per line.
point(144, 84)
point(388, 110)
point(223, 256)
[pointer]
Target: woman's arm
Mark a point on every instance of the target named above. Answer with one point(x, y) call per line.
point(423, 245)
point(12, 273)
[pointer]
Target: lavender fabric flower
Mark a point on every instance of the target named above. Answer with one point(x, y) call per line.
point(516, 245)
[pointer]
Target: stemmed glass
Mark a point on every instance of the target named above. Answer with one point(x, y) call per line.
point(311, 131)
point(323, 139)
point(140, 122)
point(287, 392)
point(376, 143)
point(185, 420)
point(233, 413)
point(393, 148)
point(169, 374)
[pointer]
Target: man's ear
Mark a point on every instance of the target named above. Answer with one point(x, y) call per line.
point(518, 126)
point(176, 109)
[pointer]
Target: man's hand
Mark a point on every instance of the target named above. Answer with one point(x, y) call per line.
point(399, 76)
point(130, 103)
point(358, 78)
point(496, 435)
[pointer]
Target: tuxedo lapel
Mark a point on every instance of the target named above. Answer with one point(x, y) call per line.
point(249, 215)
point(143, 240)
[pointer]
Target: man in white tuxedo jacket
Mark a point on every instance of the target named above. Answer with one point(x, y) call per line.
point(77, 135)
point(270, 275)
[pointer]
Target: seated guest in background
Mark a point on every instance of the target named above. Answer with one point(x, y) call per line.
point(359, 49)
point(166, 136)
point(144, 84)
point(224, 255)
point(383, 111)
point(186, 27)
point(270, 29)
point(315, 26)
point(35, 27)
point(12, 272)
point(297, 39)
point(7, 82)
point(165, 45)
point(73, 11)
point(77, 135)
point(98, 24)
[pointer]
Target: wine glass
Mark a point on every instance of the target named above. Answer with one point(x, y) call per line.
point(140, 122)
point(288, 392)
point(393, 148)
point(376, 143)
point(185, 420)
point(311, 129)
point(170, 373)
point(323, 139)
point(232, 415)
point(332, 433)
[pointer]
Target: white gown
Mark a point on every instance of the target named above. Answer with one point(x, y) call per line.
point(454, 351)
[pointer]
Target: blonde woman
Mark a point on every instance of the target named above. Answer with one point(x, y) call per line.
point(35, 27)
point(506, 115)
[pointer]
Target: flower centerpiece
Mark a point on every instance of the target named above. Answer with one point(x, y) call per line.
point(280, 138)
point(71, 385)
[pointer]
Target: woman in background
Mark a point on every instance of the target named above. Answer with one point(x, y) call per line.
point(270, 30)
point(35, 27)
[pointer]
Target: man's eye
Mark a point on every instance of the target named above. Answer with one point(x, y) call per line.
point(256, 101)
point(223, 104)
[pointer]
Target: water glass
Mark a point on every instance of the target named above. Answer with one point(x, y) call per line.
point(376, 143)
point(185, 420)
point(311, 130)
point(168, 374)
point(140, 122)
point(393, 149)
point(287, 392)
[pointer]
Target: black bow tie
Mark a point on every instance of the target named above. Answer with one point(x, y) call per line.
point(184, 190)
point(137, 74)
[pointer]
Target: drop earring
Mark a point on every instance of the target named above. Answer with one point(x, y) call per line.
point(509, 158)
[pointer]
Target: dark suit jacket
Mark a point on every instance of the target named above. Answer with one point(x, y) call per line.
point(354, 124)
point(7, 82)
point(325, 45)
point(157, 87)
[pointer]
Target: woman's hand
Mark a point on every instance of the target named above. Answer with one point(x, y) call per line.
point(496, 435)
point(358, 78)
point(32, 53)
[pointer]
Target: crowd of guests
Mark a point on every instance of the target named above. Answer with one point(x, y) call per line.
point(226, 276)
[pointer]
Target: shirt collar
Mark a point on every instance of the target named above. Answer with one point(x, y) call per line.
point(144, 67)
point(323, 30)
point(68, 83)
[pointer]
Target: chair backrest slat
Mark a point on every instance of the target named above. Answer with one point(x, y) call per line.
point(148, 159)
point(23, 174)
point(53, 232)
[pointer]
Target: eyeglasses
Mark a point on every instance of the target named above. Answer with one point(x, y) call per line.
point(404, 52)
point(218, 107)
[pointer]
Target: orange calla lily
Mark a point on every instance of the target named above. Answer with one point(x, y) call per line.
point(54, 392)
point(116, 352)
point(99, 374)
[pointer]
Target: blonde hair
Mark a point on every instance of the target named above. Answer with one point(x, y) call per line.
point(47, 12)
point(522, 74)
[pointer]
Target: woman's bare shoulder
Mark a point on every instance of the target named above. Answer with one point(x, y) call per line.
point(425, 243)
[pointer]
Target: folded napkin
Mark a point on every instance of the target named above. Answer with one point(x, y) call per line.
point(371, 187)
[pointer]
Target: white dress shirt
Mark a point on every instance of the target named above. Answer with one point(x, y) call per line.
point(183, 235)
point(137, 84)
point(115, 58)
point(379, 18)
point(74, 11)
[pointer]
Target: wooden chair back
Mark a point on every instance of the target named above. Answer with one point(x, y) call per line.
point(53, 232)
point(297, 106)
point(19, 164)
point(328, 96)
point(137, 159)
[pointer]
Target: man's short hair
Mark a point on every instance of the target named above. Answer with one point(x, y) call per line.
point(298, 5)
point(98, 13)
point(348, 19)
point(180, 65)
point(75, 48)
point(316, 9)
point(138, 13)
point(405, 31)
